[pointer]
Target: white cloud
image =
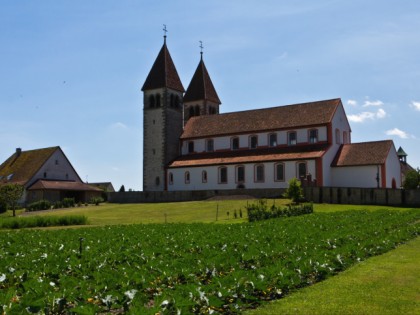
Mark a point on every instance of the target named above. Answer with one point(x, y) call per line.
point(119, 126)
point(397, 132)
point(373, 103)
point(415, 105)
point(352, 102)
point(363, 116)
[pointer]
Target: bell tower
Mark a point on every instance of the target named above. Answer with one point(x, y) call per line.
point(162, 119)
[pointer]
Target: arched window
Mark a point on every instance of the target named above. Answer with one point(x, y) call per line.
point(187, 177)
point(272, 139)
point(171, 179)
point(204, 176)
point(279, 172)
point(240, 174)
point(253, 142)
point(259, 173)
point(234, 142)
point(152, 101)
point(302, 170)
point(157, 100)
point(223, 178)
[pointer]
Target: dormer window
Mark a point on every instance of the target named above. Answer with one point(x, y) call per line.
point(292, 138)
point(313, 136)
point(253, 142)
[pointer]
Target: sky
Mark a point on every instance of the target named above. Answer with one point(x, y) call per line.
point(71, 71)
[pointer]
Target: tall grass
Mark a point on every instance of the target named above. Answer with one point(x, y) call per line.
point(43, 221)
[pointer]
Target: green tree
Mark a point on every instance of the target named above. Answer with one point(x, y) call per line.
point(294, 191)
point(10, 194)
point(412, 179)
point(122, 189)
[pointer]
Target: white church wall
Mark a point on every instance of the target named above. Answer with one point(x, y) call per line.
point(393, 169)
point(355, 176)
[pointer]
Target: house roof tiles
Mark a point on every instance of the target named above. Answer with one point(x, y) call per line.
point(363, 153)
point(250, 156)
point(62, 185)
point(274, 118)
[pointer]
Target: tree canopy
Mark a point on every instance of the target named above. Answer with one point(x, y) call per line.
point(10, 195)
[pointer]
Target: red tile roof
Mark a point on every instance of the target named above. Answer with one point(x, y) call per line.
point(201, 87)
point(274, 118)
point(250, 156)
point(163, 73)
point(363, 153)
point(62, 185)
point(24, 165)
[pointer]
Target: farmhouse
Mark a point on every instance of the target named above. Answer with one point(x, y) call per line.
point(45, 174)
point(190, 145)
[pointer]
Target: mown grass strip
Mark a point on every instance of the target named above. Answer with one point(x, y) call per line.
point(386, 284)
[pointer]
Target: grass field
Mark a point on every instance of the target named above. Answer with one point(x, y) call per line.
point(386, 284)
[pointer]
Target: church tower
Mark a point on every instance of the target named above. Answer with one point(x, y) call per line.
point(162, 119)
point(201, 97)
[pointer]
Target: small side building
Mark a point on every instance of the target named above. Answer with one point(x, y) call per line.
point(45, 174)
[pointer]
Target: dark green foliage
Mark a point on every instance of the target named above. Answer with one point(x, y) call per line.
point(39, 205)
point(193, 268)
point(294, 191)
point(260, 210)
point(3, 206)
point(96, 201)
point(10, 195)
point(412, 179)
point(38, 221)
point(68, 203)
point(122, 189)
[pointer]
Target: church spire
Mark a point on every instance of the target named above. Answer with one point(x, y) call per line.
point(163, 73)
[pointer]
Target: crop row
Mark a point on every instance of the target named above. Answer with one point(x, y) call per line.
point(187, 268)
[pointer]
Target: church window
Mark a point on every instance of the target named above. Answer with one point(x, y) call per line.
point(272, 139)
point(279, 172)
point(187, 177)
point(191, 147)
point(204, 176)
point(337, 136)
point(67, 176)
point(197, 110)
point(223, 179)
point(235, 143)
point(171, 179)
point(151, 101)
point(313, 135)
point(253, 142)
point(157, 181)
point(209, 145)
point(259, 173)
point(45, 174)
point(56, 162)
point(172, 101)
point(212, 110)
point(302, 170)
point(157, 100)
point(240, 174)
point(176, 101)
point(292, 138)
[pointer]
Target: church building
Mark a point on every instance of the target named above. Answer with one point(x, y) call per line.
point(189, 145)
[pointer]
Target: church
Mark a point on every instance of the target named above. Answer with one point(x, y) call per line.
point(189, 145)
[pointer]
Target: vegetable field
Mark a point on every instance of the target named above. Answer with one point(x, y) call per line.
point(187, 268)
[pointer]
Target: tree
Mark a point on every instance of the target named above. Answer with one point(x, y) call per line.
point(122, 189)
point(294, 191)
point(412, 179)
point(10, 194)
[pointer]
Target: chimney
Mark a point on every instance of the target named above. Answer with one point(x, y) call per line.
point(18, 152)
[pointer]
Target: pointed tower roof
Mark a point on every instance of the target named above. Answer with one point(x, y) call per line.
point(401, 152)
point(163, 73)
point(201, 87)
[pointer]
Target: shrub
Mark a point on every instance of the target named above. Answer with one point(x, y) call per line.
point(412, 179)
point(39, 205)
point(3, 206)
point(96, 201)
point(260, 211)
point(68, 203)
point(294, 191)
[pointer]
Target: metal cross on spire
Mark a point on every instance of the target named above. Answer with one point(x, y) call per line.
point(164, 31)
point(201, 48)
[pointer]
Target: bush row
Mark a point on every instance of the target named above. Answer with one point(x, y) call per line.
point(29, 222)
point(65, 203)
point(260, 211)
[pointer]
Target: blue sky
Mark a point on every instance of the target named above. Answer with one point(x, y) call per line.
point(71, 71)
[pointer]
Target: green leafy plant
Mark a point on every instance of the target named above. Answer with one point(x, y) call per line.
point(294, 191)
point(412, 179)
point(10, 195)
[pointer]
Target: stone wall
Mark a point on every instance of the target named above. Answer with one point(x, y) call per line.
point(360, 196)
